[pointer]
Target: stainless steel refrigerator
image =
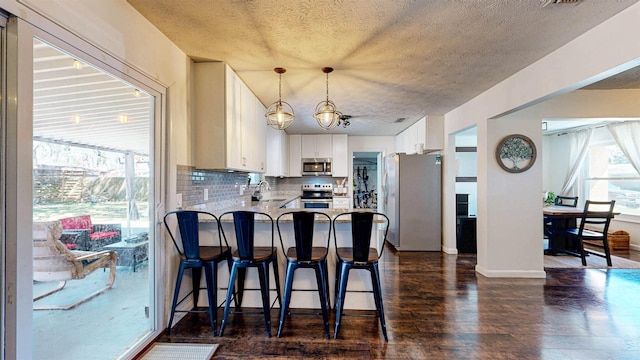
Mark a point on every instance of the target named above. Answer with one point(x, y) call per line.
point(413, 201)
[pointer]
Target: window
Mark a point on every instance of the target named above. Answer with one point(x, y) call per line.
point(612, 177)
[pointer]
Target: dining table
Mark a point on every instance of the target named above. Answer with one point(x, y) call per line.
point(556, 220)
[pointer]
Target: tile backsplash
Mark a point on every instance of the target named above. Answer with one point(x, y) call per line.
point(224, 187)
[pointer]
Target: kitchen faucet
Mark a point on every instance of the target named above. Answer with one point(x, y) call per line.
point(257, 195)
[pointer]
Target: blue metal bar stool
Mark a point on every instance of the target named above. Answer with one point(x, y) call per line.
point(248, 255)
point(195, 257)
point(360, 255)
point(305, 255)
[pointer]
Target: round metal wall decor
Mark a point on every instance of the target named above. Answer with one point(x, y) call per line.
point(516, 153)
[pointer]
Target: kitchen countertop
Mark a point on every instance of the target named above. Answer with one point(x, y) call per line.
point(270, 204)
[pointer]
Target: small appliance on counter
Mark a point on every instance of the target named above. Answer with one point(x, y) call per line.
point(341, 189)
point(317, 196)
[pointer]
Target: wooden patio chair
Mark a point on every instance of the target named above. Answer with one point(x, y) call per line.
point(52, 261)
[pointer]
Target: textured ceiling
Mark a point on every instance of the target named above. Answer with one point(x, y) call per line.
point(392, 59)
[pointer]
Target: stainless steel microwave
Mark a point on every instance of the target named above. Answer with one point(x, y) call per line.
point(316, 167)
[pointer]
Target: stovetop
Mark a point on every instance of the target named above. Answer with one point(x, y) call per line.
point(317, 191)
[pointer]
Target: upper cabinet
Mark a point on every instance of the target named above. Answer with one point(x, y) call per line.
point(427, 135)
point(317, 146)
point(228, 133)
point(260, 146)
point(434, 133)
point(340, 156)
point(295, 158)
point(277, 152)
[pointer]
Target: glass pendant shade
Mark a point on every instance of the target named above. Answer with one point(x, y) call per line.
point(326, 112)
point(280, 114)
point(327, 115)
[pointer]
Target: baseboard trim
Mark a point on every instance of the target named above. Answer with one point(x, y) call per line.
point(530, 274)
point(450, 251)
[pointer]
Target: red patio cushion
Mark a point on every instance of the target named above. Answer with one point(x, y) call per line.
point(77, 223)
point(103, 235)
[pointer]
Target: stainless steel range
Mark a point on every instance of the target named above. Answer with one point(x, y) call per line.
point(318, 196)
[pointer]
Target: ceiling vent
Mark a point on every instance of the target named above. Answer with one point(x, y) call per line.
point(399, 120)
point(547, 2)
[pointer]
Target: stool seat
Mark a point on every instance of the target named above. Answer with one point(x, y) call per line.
point(260, 253)
point(210, 253)
point(317, 254)
point(346, 254)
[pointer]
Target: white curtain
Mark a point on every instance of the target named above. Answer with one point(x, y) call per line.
point(578, 150)
point(627, 135)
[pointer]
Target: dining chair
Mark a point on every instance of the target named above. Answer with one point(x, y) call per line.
point(194, 256)
point(247, 255)
point(597, 214)
point(358, 254)
point(571, 201)
point(310, 250)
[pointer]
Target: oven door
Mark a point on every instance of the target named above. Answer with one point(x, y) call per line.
point(316, 203)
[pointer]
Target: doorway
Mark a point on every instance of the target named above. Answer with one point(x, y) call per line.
point(365, 179)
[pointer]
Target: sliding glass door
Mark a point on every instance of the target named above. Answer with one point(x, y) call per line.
point(83, 136)
point(91, 176)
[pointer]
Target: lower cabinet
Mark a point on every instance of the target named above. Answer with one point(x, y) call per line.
point(466, 235)
point(340, 202)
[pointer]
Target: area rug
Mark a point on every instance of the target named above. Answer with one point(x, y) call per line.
point(593, 262)
point(169, 351)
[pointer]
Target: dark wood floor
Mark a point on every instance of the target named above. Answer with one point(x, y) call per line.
point(438, 307)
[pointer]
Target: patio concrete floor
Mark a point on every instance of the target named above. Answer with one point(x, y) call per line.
point(101, 328)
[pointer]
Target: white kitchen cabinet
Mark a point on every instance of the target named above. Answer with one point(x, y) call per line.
point(317, 146)
point(277, 152)
point(340, 202)
point(260, 147)
point(340, 155)
point(248, 115)
point(284, 154)
point(400, 142)
point(295, 155)
point(434, 136)
point(428, 131)
point(225, 132)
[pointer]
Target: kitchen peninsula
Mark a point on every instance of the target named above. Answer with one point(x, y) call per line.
point(359, 280)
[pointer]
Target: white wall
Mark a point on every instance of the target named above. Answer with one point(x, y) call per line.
point(554, 74)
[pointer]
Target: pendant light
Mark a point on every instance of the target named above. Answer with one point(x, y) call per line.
point(279, 114)
point(326, 113)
